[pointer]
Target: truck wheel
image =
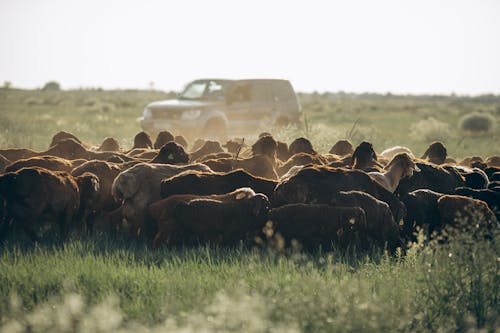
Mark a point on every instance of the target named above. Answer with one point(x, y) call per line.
point(215, 129)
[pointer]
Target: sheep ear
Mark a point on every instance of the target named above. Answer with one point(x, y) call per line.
point(426, 154)
point(416, 168)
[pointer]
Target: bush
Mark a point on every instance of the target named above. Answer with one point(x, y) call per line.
point(51, 86)
point(477, 122)
point(430, 129)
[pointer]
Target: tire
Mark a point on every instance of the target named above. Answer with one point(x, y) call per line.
point(215, 129)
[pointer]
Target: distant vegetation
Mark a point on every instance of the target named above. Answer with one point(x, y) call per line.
point(28, 118)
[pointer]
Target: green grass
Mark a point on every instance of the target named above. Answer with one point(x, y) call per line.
point(452, 287)
point(103, 284)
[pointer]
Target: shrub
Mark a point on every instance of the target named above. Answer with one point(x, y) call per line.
point(51, 86)
point(430, 129)
point(477, 122)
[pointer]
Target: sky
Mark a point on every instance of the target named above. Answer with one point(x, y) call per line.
point(400, 46)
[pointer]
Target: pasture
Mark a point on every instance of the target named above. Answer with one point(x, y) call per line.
point(102, 283)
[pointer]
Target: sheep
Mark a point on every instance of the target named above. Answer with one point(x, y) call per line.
point(46, 161)
point(342, 148)
point(490, 197)
point(319, 184)
point(234, 146)
point(474, 178)
point(301, 145)
point(162, 138)
point(142, 140)
point(400, 166)
point(106, 173)
point(203, 183)
point(436, 153)
point(109, 144)
point(432, 177)
point(380, 223)
point(171, 153)
point(223, 217)
point(139, 186)
point(181, 140)
point(467, 161)
point(62, 135)
point(493, 161)
point(266, 146)
point(300, 159)
point(365, 158)
point(258, 165)
point(15, 154)
point(389, 153)
point(208, 147)
point(315, 225)
point(421, 211)
point(36, 197)
point(465, 212)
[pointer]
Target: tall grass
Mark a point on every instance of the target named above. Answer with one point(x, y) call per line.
point(107, 285)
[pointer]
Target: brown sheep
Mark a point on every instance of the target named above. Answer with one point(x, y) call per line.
point(62, 135)
point(421, 211)
point(181, 140)
point(139, 186)
point(467, 161)
point(214, 156)
point(266, 146)
point(15, 154)
point(491, 198)
point(342, 148)
point(301, 145)
point(364, 158)
point(474, 177)
point(436, 153)
point(300, 159)
point(109, 144)
point(319, 184)
point(162, 138)
point(69, 149)
point(171, 153)
point(465, 212)
point(380, 223)
point(208, 147)
point(432, 177)
point(142, 140)
point(106, 173)
point(282, 151)
point(37, 197)
point(258, 165)
point(493, 161)
point(48, 162)
point(316, 225)
point(203, 183)
point(205, 218)
point(197, 144)
point(234, 146)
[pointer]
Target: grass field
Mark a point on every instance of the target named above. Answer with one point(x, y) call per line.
point(105, 284)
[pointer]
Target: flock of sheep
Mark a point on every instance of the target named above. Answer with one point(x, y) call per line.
point(171, 194)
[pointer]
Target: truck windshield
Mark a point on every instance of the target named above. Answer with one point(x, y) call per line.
point(203, 90)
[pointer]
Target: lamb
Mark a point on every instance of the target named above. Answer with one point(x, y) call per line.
point(301, 145)
point(400, 166)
